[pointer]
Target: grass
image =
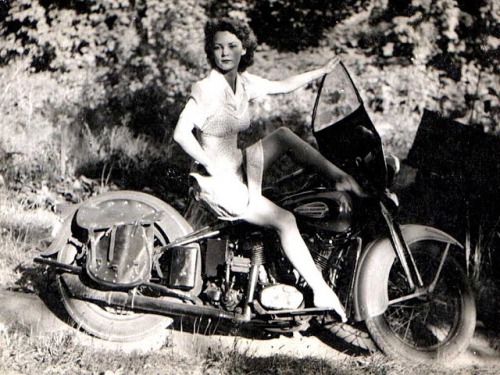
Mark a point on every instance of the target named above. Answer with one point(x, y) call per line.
point(60, 353)
point(21, 230)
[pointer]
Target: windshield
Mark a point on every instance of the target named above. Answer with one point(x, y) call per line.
point(344, 132)
point(337, 99)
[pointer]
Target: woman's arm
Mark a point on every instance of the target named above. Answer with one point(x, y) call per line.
point(294, 82)
point(183, 135)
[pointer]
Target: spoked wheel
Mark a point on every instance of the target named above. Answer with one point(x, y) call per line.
point(118, 324)
point(433, 325)
point(353, 335)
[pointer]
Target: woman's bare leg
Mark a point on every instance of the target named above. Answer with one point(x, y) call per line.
point(263, 212)
point(283, 141)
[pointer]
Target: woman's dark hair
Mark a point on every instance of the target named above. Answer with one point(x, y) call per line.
point(236, 27)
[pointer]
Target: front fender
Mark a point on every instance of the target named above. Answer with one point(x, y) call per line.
point(370, 288)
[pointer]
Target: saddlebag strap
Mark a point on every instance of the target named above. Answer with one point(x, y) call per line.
point(120, 240)
point(120, 256)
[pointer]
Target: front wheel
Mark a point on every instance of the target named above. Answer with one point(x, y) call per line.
point(434, 326)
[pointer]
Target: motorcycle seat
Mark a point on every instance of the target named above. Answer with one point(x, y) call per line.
point(116, 212)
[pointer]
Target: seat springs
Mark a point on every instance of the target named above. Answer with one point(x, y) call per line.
point(258, 258)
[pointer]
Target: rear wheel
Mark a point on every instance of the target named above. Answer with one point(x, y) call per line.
point(116, 324)
point(433, 326)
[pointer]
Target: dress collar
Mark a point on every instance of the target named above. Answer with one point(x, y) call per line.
point(218, 77)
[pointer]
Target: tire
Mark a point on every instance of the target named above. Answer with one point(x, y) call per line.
point(119, 324)
point(353, 336)
point(434, 327)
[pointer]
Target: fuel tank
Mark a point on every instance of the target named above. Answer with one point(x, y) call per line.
point(321, 208)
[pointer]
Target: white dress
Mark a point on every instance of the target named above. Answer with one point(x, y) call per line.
point(220, 114)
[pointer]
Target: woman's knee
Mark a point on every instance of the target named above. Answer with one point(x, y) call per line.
point(276, 217)
point(276, 144)
point(286, 221)
point(283, 133)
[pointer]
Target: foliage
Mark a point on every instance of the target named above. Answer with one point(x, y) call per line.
point(288, 25)
point(417, 57)
point(70, 66)
point(74, 71)
point(437, 31)
point(124, 49)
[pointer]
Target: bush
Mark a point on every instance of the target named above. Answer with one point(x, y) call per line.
point(72, 66)
point(67, 67)
point(288, 26)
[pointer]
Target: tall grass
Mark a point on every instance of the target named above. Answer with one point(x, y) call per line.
point(43, 131)
point(21, 230)
point(30, 136)
point(117, 144)
point(482, 243)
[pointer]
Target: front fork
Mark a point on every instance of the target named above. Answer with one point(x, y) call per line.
point(402, 250)
point(407, 260)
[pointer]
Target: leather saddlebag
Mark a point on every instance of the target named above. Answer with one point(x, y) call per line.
point(120, 243)
point(121, 256)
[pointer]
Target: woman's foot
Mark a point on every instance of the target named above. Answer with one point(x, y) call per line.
point(327, 299)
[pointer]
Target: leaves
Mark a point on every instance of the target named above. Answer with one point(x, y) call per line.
point(68, 66)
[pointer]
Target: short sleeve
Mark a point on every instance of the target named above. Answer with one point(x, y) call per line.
point(199, 106)
point(255, 86)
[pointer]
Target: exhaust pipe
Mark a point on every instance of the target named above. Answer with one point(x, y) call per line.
point(78, 290)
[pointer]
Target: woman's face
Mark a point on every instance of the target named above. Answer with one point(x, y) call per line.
point(228, 50)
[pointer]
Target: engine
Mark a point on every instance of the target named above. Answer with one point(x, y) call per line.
point(235, 270)
point(252, 269)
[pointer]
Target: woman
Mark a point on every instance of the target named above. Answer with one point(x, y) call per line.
point(231, 186)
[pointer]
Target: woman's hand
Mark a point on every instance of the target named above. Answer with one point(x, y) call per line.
point(294, 82)
point(348, 183)
point(330, 65)
point(213, 169)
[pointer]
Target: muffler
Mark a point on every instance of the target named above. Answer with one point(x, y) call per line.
point(76, 289)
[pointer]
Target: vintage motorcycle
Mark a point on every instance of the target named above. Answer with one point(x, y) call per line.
point(127, 262)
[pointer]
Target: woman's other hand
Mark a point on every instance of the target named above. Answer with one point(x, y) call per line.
point(330, 65)
point(348, 183)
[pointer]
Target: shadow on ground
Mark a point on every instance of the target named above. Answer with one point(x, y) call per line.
point(43, 314)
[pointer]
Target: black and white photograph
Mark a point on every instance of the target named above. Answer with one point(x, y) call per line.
point(249, 187)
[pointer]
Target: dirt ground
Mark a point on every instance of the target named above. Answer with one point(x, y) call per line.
point(31, 312)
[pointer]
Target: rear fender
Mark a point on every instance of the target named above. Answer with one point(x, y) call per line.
point(370, 289)
point(171, 222)
point(63, 233)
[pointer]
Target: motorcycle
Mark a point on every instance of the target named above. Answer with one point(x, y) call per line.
point(127, 262)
